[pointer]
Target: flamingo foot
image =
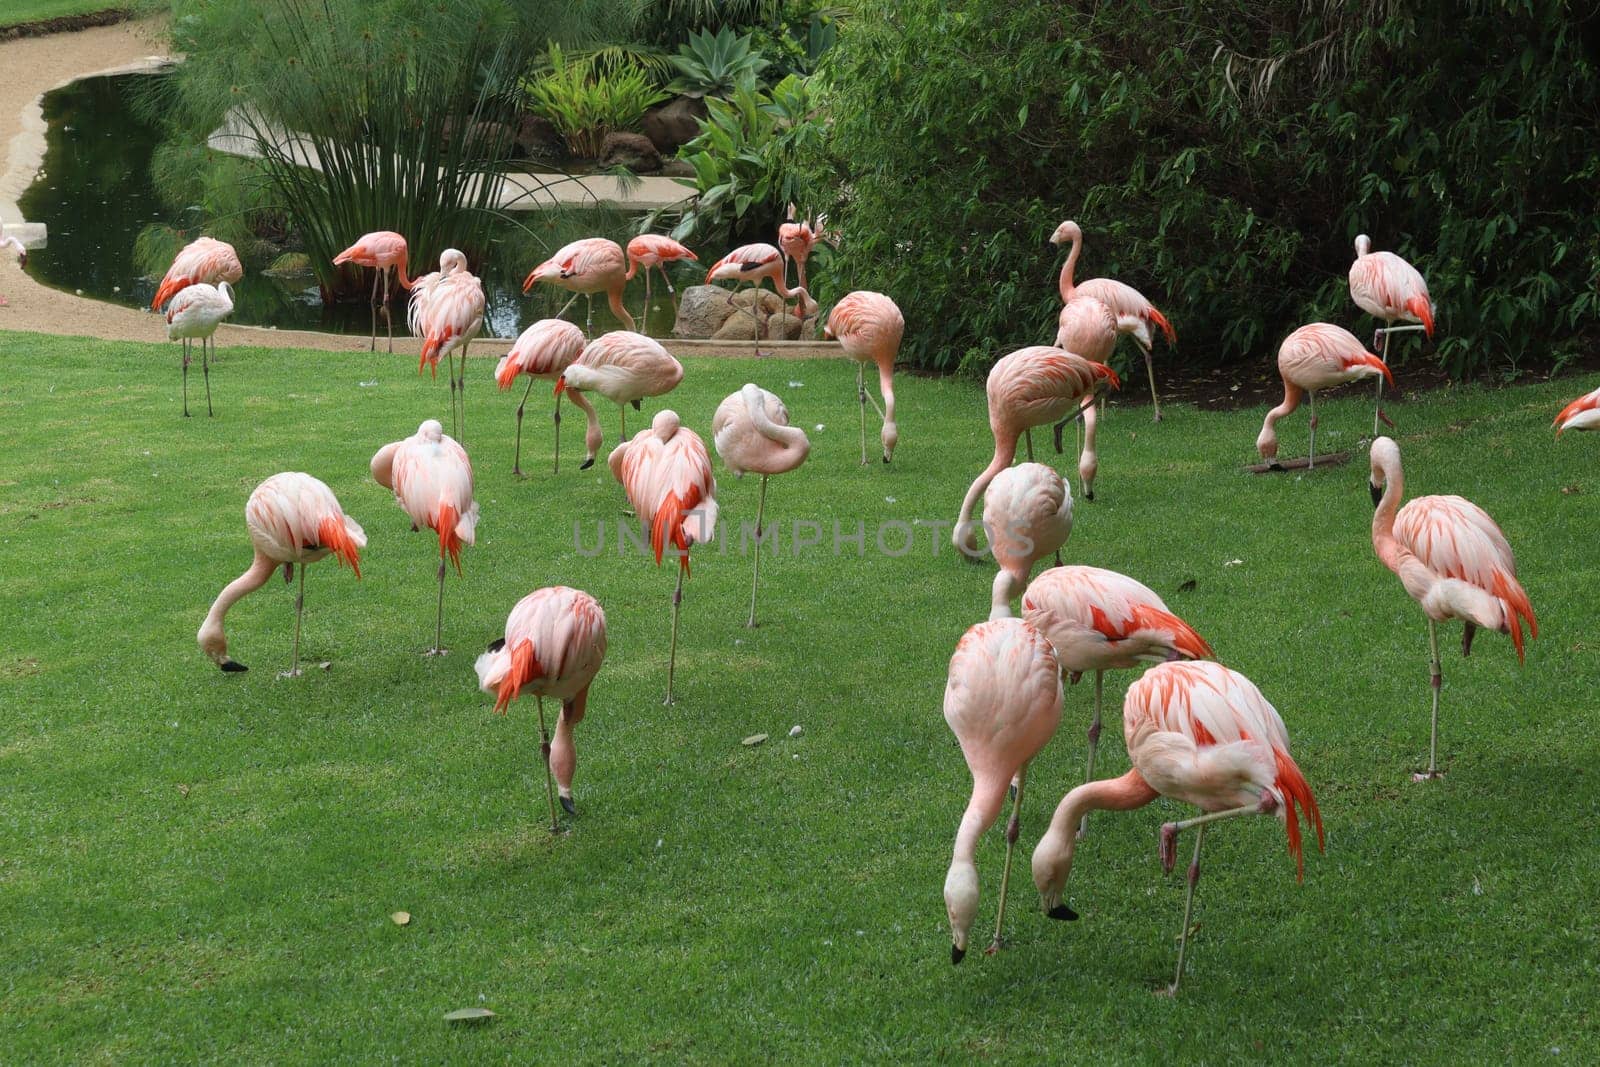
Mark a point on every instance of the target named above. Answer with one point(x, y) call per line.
point(1427, 776)
point(297, 672)
point(1384, 418)
point(1169, 846)
point(994, 946)
point(437, 652)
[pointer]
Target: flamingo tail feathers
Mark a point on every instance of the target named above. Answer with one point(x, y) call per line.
point(1167, 331)
point(524, 666)
point(170, 288)
point(1107, 373)
point(668, 526)
point(1423, 310)
point(505, 372)
point(1297, 792)
point(1583, 403)
point(561, 385)
point(1367, 359)
point(1184, 637)
point(332, 535)
point(449, 539)
point(1517, 609)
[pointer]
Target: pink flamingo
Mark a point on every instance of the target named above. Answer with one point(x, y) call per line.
point(1582, 414)
point(1087, 328)
point(1316, 356)
point(1455, 563)
point(554, 644)
point(195, 314)
point(1033, 386)
point(202, 260)
point(1199, 733)
point(1027, 514)
point(1387, 287)
point(1098, 620)
point(666, 473)
point(592, 265)
point(292, 518)
point(1003, 702)
point(543, 350)
point(1135, 315)
point(447, 312)
point(623, 367)
point(752, 263)
point(797, 239)
point(869, 327)
point(385, 252)
point(752, 433)
point(8, 241)
point(653, 250)
point(431, 477)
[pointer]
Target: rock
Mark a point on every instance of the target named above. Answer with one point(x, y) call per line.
point(784, 328)
point(631, 150)
point(290, 265)
point(673, 124)
point(771, 302)
point(677, 168)
point(739, 327)
point(485, 134)
point(702, 309)
point(796, 730)
point(538, 139)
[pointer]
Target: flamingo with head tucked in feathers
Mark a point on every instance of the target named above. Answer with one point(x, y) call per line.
point(624, 367)
point(431, 477)
point(203, 260)
point(447, 309)
point(1387, 287)
point(1315, 357)
point(1135, 315)
point(1027, 515)
point(1034, 386)
point(592, 265)
point(1202, 734)
point(292, 518)
point(1455, 563)
point(1002, 700)
point(653, 250)
point(1098, 620)
point(543, 351)
point(752, 433)
point(553, 646)
point(194, 315)
point(1582, 414)
point(666, 472)
point(869, 327)
point(385, 252)
point(752, 263)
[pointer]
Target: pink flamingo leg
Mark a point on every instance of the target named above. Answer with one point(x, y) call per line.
point(1013, 828)
point(1435, 680)
point(549, 785)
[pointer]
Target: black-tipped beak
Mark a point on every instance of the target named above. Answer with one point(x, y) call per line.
point(22, 260)
point(586, 464)
point(1062, 912)
point(496, 645)
point(1377, 494)
point(567, 806)
point(886, 459)
point(957, 954)
point(638, 405)
point(230, 666)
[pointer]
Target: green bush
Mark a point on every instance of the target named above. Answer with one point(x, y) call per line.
point(585, 103)
point(714, 64)
point(1221, 158)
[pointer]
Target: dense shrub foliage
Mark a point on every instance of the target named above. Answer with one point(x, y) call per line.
point(1221, 157)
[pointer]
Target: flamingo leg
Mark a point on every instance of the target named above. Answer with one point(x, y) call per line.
point(1435, 679)
point(755, 580)
point(544, 749)
point(388, 316)
point(373, 304)
point(644, 312)
point(1094, 744)
point(462, 388)
point(558, 436)
point(1188, 910)
point(438, 648)
point(1027, 435)
point(186, 377)
point(516, 463)
point(1150, 370)
point(666, 277)
point(205, 367)
point(567, 305)
point(1311, 462)
point(450, 375)
point(589, 320)
point(861, 391)
point(299, 614)
point(672, 654)
point(1013, 827)
point(1377, 406)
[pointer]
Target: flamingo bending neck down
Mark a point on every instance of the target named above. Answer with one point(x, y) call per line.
point(797, 239)
point(752, 263)
point(542, 351)
point(653, 250)
point(869, 327)
point(592, 265)
point(624, 367)
point(1027, 515)
point(1317, 356)
point(384, 251)
point(1086, 327)
point(1453, 561)
point(751, 432)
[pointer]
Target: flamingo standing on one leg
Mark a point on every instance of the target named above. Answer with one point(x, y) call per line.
point(1455, 563)
point(624, 367)
point(292, 518)
point(1003, 702)
point(1098, 620)
point(195, 314)
point(752, 433)
point(752, 263)
point(1027, 514)
point(202, 260)
point(666, 472)
point(869, 327)
point(796, 240)
point(1087, 328)
point(592, 265)
point(554, 644)
point(1387, 287)
point(1316, 356)
point(431, 477)
point(1582, 414)
point(1135, 315)
point(1033, 386)
point(543, 350)
point(653, 250)
point(384, 251)
point(1199, 733)
point(447, 312)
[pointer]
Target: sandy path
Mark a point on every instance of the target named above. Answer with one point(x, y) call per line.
point(31, 67)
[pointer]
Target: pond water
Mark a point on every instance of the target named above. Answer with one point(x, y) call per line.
point(96, 194)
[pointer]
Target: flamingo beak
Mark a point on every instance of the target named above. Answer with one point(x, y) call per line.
point(1377, 494)
point(497, 644)
point(567, 806)
point(1062, 912)
point(230, 666)
point(957, 954)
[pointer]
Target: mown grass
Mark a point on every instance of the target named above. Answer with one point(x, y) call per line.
point(20, 12)
point(196, 865)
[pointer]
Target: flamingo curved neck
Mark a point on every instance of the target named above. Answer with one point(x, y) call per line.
point(1383, 541)
point(1065, 282)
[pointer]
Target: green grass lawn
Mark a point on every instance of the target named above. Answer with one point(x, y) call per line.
point(17, 12)
point(196, 865)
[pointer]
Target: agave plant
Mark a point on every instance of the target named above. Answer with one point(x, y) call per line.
point(715, 65)
point(586, 103)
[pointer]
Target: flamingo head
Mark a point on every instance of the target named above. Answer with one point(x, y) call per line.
point(431, 431)
point(961, 904)
point(215, 645)
point(890, 437)
point(1052, 864)
point(1385, 466)
point(665, 424)
point(1363, 244)
point(452, 260)
point(723, 270)
point(1067, 233)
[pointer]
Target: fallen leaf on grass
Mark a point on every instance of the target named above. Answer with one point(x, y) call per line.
point(753, 740)
point(1187, 587)
point(1570, 490)
point(401, 918)
point(468, 1015)
point(183, 790)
